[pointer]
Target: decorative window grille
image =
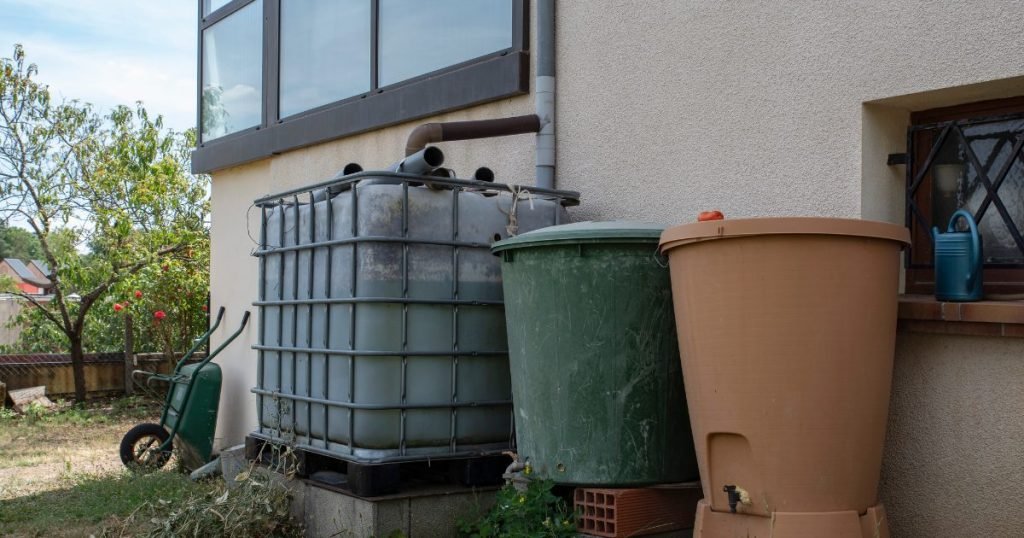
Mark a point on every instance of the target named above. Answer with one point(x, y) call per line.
point(968, 158)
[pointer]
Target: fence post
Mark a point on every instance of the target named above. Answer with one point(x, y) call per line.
point(129, 355)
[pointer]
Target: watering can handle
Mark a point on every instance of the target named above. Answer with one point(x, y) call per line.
point(975, 240)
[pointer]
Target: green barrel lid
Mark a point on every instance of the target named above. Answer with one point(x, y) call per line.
point(616, 231)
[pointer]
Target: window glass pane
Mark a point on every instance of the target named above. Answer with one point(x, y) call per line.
point(209, 6)
point(418, 37)
point(992, 143)
point(233, 73)
point(325, 52)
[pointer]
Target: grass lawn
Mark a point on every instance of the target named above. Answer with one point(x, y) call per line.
point(60, 473)
point(96, 505)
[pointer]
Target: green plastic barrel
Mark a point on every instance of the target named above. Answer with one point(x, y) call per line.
point(596, 380)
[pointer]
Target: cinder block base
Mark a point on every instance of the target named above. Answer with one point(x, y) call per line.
point(232, 462)
point(428, 512)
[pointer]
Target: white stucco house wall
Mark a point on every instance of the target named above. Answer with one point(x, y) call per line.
point(664, 109)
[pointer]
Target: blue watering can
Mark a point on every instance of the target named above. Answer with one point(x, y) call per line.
point(958, 262)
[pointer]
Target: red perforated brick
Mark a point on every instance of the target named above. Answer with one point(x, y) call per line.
point(614, 513)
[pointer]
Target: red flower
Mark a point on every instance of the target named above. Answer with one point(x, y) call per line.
point(118, 307)
point(204, 308)
point(138, 294)
point(159, 315)
point(166, 267)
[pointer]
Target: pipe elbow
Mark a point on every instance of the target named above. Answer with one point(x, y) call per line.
point(421, 136)
point(428, 133)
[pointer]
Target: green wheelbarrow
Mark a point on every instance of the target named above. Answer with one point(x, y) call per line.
point(189, 416)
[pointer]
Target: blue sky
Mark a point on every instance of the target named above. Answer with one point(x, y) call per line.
point(109, 52)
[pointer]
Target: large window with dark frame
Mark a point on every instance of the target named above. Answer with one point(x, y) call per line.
point(968, 157)
point(281, 74)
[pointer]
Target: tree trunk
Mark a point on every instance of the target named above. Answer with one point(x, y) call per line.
point(78, 366)
point(129, 355)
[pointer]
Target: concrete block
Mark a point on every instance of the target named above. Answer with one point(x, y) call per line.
point(438, 515)
point(428, 512)
point(328, 513)
point(232, 462)
point(297, 488)
point(391, 517)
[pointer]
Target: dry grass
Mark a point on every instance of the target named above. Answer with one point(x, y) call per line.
point(38, 452)
point(96, 505)
point(259, 506)
point(60, 473)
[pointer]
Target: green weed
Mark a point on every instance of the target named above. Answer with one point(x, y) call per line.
point(534, 513)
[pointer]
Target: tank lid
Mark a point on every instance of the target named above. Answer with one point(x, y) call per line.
point(616, 231)
point(729, 228)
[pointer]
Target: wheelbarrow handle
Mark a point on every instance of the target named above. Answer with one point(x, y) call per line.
point(220, 316)
point(200, 341)
point(146, 373)
point(225, 343)
point(154, 376)
point(149, 376)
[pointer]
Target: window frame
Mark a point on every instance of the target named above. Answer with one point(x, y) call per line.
point(921, 135)
point(493, 76)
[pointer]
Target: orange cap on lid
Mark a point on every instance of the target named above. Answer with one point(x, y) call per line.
point(710, 215)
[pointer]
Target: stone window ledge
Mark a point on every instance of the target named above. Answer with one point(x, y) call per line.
point(923, 313)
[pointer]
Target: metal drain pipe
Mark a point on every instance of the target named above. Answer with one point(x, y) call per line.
point(544, 86)
point(542, 123)
point(467, 130)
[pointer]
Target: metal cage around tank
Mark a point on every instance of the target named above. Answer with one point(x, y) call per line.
point(381, 330)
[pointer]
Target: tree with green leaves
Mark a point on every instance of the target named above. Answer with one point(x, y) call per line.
point(107, 197)
point(18, 243)
point(167, 302)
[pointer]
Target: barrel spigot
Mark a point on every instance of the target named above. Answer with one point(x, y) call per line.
point(734, 496)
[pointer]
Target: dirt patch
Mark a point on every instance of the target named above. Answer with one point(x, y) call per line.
point(61, 475)
point(39, 452)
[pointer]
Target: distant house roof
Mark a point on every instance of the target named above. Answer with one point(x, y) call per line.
point(26, 274)
point(41, 265)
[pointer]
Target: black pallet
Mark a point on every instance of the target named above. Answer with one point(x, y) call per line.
point(377, 479)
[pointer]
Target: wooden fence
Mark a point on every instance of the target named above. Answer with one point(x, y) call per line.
point(104, 372)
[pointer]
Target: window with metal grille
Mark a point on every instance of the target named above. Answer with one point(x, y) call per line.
point(968, 157)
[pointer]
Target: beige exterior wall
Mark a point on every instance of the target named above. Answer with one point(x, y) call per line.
point(953, 454)
point(666, 108)
point(9, 307)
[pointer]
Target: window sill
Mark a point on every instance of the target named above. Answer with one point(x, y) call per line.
point(925, 314)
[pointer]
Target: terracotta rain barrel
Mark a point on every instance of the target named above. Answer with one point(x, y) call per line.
point(787, 331)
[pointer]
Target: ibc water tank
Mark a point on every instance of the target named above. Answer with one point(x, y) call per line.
point(382, 330)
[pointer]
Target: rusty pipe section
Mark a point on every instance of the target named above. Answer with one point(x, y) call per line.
point(466, 130)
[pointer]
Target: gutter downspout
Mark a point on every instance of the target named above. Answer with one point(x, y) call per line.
point(544, 86)
point(542, 123)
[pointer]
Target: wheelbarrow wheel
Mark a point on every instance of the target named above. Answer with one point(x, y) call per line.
point(140, 448)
